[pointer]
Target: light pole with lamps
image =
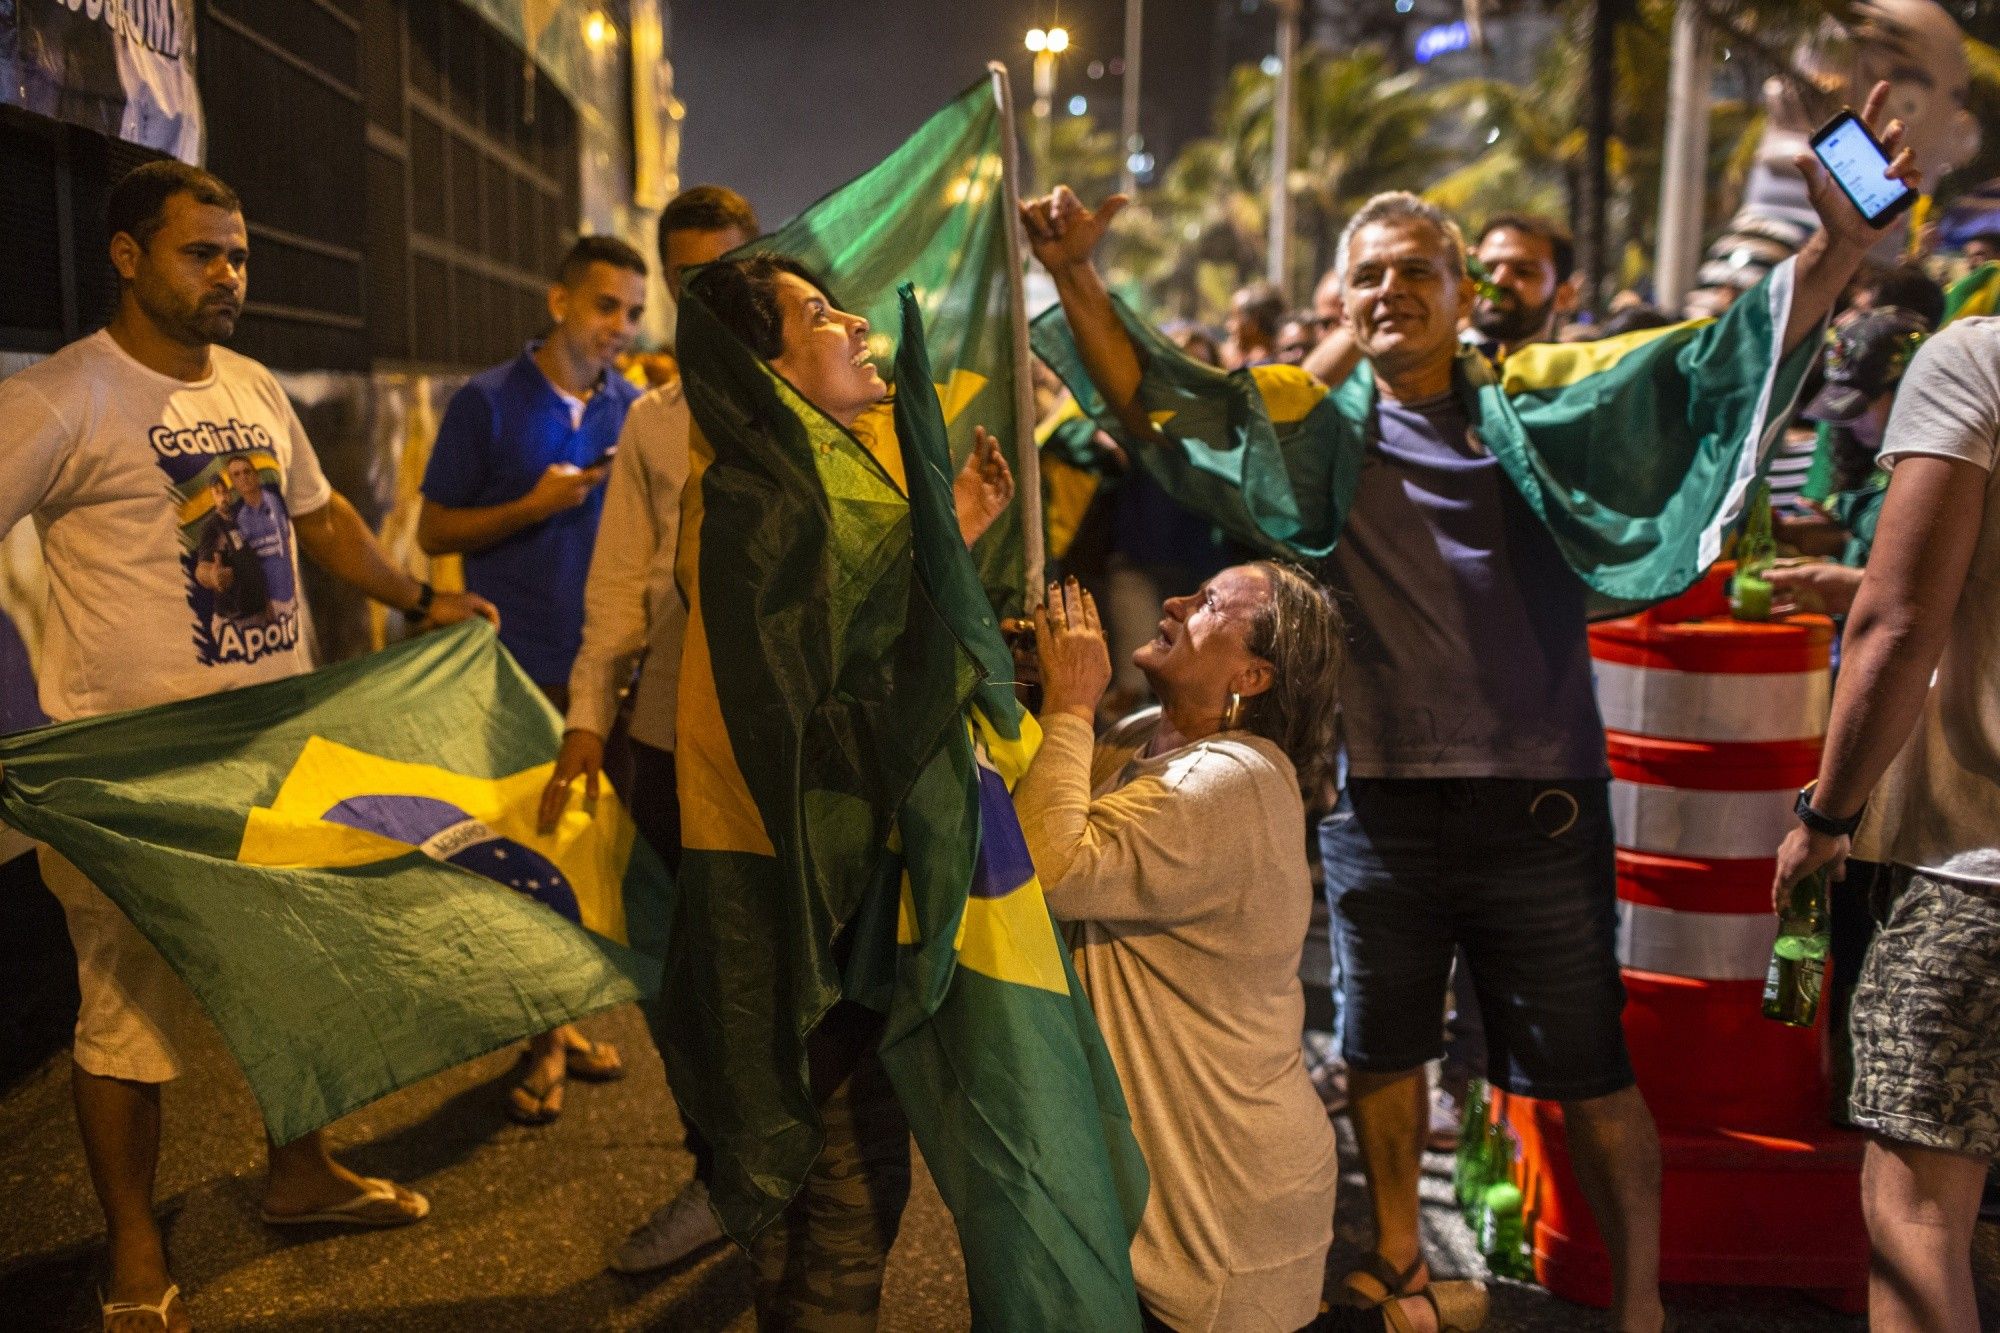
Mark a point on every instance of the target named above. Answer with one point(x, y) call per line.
point(1046, 45)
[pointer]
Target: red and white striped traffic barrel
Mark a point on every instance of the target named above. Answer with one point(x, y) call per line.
point(1713, 725)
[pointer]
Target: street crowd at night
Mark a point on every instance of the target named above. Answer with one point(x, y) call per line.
point(1384, 719)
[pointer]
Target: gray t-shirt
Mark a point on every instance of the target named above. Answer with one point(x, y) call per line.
point(1938, 807)
point(1468, 656)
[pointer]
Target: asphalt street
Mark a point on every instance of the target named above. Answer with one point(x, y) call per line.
point(524, 1219)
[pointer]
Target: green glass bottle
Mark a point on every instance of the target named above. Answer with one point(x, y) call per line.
point(1756, 552)
point(1503, 1236)
point(1468, 1164)
point(1798, 957)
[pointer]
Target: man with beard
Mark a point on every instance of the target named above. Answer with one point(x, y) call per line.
point(1530, 265)
point(105, 444)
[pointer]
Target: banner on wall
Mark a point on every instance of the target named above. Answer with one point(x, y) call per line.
point(124, 68)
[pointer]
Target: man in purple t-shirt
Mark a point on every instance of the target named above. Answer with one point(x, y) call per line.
point(1477, 811)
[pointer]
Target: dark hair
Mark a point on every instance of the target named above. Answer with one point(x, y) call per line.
point(1299, 631)
point(590, 250)
point(138, 202)
point(708, 208)
point(1261, 304)
point(1989, 237)
point(1562, 246)
point(743, 295)
point(1908, 286)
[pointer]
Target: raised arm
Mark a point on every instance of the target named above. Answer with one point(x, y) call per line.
point(1064, 236)
point(1829, 260)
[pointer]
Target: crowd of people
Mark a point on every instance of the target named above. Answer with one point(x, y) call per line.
point(1396, 679)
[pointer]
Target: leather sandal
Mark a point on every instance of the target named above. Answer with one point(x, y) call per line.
point(1460, 1306)
point(1396, 1285)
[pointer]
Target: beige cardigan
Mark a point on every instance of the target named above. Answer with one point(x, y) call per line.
point(1186, 882)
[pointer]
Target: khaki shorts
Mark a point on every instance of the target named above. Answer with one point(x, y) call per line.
point(136, 1014)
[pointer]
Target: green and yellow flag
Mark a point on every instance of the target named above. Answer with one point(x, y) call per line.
point(345, 869)
point(842, 840)
point(1636, 452)
point(992, 1045)
point(938, 214)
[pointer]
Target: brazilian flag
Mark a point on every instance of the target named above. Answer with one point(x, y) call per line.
point(344, 866)
point(1637, 453)
point(1977, 293)
point(938, 213)
point(842, 838)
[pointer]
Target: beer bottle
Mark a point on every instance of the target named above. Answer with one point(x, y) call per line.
point(1756, 552)
point(1503, 1237)
point(1468, 1165)
point(1798, 957)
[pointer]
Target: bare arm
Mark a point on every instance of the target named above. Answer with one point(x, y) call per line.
point(1335, 358)
point(442, 530)
point(1064, 235)
point(1901, 621)
point(1829, 260)
point(339, 542)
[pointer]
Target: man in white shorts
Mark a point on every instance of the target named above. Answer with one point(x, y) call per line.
point(112, 445)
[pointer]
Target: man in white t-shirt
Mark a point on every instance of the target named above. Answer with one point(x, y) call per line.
point(138, 451)
point(634, 620)
point(1916, 721)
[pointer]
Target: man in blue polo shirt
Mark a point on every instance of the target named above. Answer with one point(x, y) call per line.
point(516, 485)
point(516, 478)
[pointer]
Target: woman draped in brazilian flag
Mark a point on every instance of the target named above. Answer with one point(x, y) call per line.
point(820, 1262)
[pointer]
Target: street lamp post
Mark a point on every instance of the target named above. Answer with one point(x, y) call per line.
point(1278, 255)
point(1129, 141)
point(1046, 46)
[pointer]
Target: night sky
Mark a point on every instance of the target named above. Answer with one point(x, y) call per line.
point(787, 99)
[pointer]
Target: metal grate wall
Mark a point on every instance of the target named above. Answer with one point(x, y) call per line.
point(409, 177)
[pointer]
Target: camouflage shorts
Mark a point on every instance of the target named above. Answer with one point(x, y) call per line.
point(1926, 1020)
point(819, 1266)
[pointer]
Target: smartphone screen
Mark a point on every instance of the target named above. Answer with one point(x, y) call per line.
point(1857, 162)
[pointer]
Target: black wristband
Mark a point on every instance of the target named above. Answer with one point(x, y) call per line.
point(1822, 823)
point(425, 595)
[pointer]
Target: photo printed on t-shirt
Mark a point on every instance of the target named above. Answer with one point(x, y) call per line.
point(236, 538)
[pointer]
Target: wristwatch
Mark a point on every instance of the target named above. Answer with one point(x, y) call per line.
point(1823, 823)
point(425, 594)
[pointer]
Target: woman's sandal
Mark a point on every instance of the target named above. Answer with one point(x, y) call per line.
point(110, 1310)
point(529, 1105)
point(594, 1061)
point(1460, 1306)
point(1394, 1285)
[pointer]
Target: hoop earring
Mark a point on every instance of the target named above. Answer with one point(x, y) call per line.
point(1232, 713)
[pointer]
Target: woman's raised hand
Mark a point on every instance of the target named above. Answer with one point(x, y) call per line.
point(1075, 660)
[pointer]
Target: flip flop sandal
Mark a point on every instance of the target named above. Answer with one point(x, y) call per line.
point(594, 1061)
point(529, 1105)
point(112, 1309)
point(381, 1203)
point(1396, 1284)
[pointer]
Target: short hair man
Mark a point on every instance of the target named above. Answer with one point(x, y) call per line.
point(121, 445)
point(1983, 248)
point(515, 486)
point(1530, 264)
point(634, 613)
point(1475, 747)
point(1251, 331)
point(1914, 740)
point(1297, 336)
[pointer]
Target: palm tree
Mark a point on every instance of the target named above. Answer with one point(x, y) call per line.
point(1360, 128)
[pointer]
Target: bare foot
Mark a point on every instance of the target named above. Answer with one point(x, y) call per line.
point(305, 1179)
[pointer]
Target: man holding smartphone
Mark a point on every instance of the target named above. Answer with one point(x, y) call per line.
point(1477, 812)
point(516, 485)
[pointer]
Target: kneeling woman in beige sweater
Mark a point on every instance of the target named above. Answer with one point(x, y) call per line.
point(1182, 877)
